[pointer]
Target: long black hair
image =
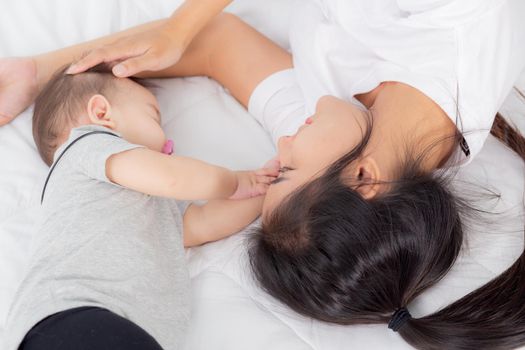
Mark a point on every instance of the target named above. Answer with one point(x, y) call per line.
point(332, 255)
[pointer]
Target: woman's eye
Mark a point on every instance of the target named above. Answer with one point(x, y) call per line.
point(285, 169)
point(281, 178)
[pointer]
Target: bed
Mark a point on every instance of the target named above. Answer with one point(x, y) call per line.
point(229, 311)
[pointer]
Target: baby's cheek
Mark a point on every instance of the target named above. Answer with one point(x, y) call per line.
point(156, 139)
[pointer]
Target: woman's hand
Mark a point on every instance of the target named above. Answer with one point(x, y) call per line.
point(157, 48)
point(18, 86)
point(153, 50)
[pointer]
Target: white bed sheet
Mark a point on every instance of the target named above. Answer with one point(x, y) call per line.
point(229, 311)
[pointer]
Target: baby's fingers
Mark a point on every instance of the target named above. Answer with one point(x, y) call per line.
point(261, 189)
point(272, 164)
point(265, 179)
point(267, 172)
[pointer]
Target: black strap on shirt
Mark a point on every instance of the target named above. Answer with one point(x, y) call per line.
point(63, 152)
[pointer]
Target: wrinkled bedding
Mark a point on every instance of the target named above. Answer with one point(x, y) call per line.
point(229, 311)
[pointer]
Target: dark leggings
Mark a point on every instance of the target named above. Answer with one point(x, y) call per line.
point(87, 328)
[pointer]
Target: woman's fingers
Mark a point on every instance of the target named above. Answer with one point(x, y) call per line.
point(93, 58)
point(135, 65)
point(106, 54)
point(148, 51)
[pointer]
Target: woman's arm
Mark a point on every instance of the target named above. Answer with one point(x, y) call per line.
point(231, 52)
point(48, 63)
point(153, 48)
point(227, 50)
point(158, 174)
point(219, 219)
point(22, 79)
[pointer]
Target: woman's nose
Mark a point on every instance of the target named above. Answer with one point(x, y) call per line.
point(283, 148)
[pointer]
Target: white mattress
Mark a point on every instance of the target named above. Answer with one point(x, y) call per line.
point(229, 311)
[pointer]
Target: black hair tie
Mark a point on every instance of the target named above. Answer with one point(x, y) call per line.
point(399, 318)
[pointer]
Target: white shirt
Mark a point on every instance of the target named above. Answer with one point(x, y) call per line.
point(463, 54)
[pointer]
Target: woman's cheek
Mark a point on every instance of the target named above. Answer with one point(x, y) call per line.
point(284, 150)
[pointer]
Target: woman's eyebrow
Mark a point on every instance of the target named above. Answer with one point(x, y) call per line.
point(282, 170)
point(279, 179)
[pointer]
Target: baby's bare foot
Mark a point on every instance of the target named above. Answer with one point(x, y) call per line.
point(18, 87)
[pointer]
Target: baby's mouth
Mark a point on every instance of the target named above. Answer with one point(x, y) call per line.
point(168, 147)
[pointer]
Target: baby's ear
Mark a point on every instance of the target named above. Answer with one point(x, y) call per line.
point(99, 111)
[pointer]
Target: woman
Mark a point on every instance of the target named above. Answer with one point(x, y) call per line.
point(358, 220)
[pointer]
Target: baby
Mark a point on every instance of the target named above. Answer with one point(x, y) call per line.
point(108, 268)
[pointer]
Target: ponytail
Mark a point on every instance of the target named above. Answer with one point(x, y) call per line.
point(491, 317)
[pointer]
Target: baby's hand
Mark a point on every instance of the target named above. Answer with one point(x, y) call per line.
point(255, 183)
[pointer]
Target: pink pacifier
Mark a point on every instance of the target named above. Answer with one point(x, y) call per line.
point(168, 147)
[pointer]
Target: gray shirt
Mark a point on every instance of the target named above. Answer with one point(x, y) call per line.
point(99, 244)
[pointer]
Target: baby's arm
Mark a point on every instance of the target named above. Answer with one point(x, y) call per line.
point(158, 174)
point(219, 219)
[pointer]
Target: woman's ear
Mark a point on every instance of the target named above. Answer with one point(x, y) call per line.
point(365, 177)
point(99, 111)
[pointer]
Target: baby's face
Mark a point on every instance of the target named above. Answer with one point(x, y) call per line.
point(135, 112)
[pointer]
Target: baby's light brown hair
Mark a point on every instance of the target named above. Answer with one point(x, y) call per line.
point(62, 101)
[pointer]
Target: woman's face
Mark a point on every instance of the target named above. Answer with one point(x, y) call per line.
point(334, 130)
